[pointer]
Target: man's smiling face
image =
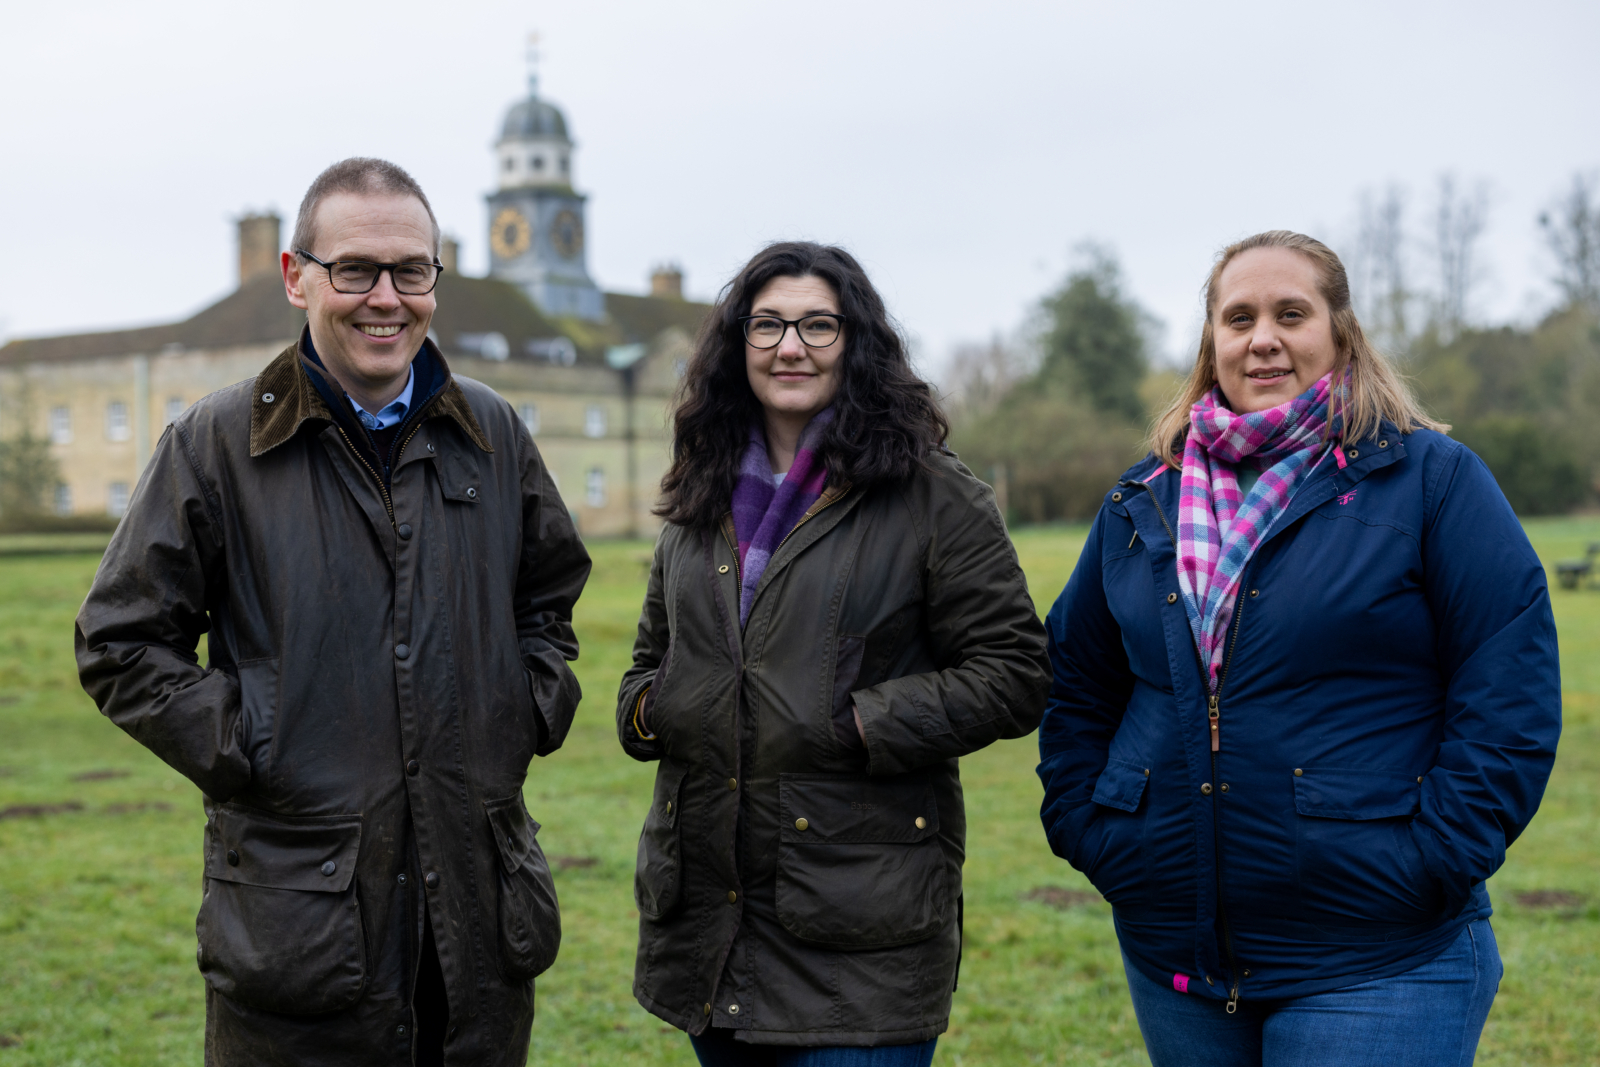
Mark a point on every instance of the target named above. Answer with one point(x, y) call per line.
point(366, 340)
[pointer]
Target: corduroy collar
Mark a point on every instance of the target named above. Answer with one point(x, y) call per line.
point(285, 397)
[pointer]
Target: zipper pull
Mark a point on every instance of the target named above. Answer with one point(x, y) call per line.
point(1233, 999)
point(1216, 730)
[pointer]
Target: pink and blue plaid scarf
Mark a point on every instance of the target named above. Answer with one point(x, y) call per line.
point(1218, 529)
point(763, 514)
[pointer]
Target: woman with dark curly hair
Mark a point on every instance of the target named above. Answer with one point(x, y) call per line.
point(835, 616)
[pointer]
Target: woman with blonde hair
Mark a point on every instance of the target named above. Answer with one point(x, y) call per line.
point(1305, 695)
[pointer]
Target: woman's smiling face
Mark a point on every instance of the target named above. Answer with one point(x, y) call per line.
point(1272, 329)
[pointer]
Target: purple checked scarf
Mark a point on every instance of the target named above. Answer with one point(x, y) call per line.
point(1218, 531)
point(763, 514)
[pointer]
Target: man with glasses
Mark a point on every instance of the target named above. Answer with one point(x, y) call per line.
point(386, 576)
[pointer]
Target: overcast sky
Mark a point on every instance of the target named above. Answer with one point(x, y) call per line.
point(961, 150)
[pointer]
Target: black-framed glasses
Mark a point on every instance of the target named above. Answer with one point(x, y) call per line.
point(360, 276)
point(814, 331)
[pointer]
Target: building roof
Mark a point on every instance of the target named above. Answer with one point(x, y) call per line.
point(258, 313)
point(534, 117)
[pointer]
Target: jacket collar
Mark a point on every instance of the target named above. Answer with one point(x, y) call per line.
point(284, 397)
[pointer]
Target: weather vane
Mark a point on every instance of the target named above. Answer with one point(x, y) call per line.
point(532, 56)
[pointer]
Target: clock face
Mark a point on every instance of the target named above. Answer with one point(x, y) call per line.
point(566, 234)
point(510, 234)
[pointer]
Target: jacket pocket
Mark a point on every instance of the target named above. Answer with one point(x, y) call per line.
point(280, 923)
point(859, 861)
point(258, 700)
point(1110, 851)
point(658, 876)
point(1355, 860)
point(846, 671)
point(529, 915)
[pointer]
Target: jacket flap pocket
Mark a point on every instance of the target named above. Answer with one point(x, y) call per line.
point(1121, 785)
point(459, 480)
point(1354, 793)
point(855, 808)
point(315, 854)
point(514, 830)
point(669, 780)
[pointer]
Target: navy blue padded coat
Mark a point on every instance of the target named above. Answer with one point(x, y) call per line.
point(1388, 718)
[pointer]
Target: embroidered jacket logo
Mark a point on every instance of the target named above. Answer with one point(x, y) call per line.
point(1345, 498)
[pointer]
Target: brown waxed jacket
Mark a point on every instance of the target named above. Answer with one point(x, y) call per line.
point(383, 666)
point(791, 886)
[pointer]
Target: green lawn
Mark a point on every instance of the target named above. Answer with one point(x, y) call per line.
point(100, 872)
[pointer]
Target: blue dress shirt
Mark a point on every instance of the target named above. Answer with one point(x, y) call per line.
point(392, 413)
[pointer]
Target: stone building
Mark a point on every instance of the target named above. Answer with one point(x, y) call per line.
point(590, 373)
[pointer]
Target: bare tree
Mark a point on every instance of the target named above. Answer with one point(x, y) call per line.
point(1383, 295)
point(979, 375)
point(1458, 224)
point(1572, 230)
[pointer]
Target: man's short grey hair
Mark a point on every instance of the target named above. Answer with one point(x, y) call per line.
point(362, 176)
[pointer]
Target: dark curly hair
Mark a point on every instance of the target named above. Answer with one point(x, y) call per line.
point(886, 419)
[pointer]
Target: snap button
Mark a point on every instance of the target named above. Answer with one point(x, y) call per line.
point(472, 494)
point(733, 1009)
point(1147, 772)
point(1381, 444)
point(669, 807)
point(1172, 598)
point(1209, 981)
point(708, 1009)
point(1116, 498)
point(1419, 779)
point(412, 767)
point(430, 448)
point(1298, 772)
point(401, 878)
point(1224, 787)
point(801, 824)
point(402, 651)
point(233, 858)
point(400, 1031)
point(1255, 592)
point(722, 569)
point(267, 398)
point(733, 783)
point(328, 868)
point(922, 824)
point(404, 530)
point(1205, 788)
point(1247, 972)
point(733, 897)
point(431, 880)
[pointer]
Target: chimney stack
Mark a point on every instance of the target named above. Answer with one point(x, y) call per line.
point(449, 253)
point(666, 282)
point(259, 242)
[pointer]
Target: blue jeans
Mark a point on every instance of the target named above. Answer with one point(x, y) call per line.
point(1430, 1016)
point(717, 1048)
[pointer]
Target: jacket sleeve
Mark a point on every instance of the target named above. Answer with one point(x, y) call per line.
point(1497, 654)
point(550, 576)
point(649, 653)
point(1089, 690)
point(981, 621)
point(138, 628)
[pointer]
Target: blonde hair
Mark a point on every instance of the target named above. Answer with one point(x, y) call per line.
point(1377, 391)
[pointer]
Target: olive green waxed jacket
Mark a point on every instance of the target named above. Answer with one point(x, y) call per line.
point(792, 886)
point(384, 663)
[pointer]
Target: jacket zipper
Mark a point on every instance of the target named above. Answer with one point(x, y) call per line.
point(383, 490)
point(1214, 720)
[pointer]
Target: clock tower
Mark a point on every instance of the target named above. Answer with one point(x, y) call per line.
point(536, 225)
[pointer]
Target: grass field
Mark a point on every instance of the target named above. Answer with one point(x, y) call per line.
point(100, 871)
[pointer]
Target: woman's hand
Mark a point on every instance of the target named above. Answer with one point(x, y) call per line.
point(862, 730)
